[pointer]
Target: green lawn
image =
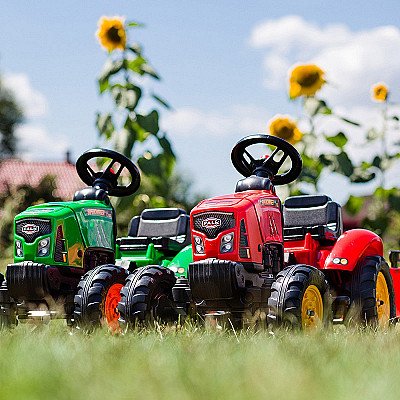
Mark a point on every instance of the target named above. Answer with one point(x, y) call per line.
point(49, 362)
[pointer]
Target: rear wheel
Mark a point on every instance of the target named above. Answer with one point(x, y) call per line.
point(299, 299)
point(98, 296)
point(372, 293)
point(147, 297)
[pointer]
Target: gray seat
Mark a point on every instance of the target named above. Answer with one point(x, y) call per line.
point(162, 222)
point(314, 214)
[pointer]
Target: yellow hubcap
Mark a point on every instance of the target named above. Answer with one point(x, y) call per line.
point(382, 300)
point(312, 308)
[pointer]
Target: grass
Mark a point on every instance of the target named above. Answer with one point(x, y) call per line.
point(51, 362)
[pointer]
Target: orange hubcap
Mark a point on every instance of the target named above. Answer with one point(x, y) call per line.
point(312, 308)
point(382, 300)
point(112, 299)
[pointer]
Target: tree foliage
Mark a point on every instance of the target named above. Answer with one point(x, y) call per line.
point(16, 199)
point(10, 116)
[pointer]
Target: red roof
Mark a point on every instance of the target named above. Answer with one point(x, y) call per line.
point(14, 172)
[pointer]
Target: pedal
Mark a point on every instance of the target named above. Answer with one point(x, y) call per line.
point(394, 256)
point(340, 306)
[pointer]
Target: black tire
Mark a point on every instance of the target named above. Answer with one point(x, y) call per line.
point(92, 290)
point(147, 297)
point(8, 307)
point(287, 294)
point(363, 306)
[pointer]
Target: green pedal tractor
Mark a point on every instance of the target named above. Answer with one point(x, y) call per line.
point(58, 244)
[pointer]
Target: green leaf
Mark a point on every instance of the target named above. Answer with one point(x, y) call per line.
point(362, 176)
point(136, 64)
point(132, 126)
point(161, 101)
point(104, 84)
point(344, 164)
point(136, 48)
point(338, 140)
point(126, 96)
point(110, 68)
point(354, 204)
point(350, 121)
point(147, 69)
point(396, 118)
point(166, 145)
point(314, 106)
point(377, 161)
point(105, 125)
point(325, 160)
point(150, 165)
point(134, 24)
point(149, 122)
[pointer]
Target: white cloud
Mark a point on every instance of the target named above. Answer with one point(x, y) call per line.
point(187, 121)
point(33, 103)
point(353, 60)
point(36, 143)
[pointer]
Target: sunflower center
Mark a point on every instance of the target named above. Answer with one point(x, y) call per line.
point(285, 132)
point(308, 79)
point(113, 35)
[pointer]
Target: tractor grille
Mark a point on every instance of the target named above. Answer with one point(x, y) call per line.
point(212, 223)
point(59, 247)
point(32, 228)
point(244, 251)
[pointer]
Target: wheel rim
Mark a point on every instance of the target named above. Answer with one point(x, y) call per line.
point(382, 300)
point(111, 313)
point(312, 308)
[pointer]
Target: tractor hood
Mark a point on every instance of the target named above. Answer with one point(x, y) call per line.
point(90, 221)
point(228, 200)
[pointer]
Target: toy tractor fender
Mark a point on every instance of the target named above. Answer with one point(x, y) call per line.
point(351, 247)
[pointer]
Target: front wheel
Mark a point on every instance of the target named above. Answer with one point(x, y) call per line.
point(147, 297)
point(8, 307)
point(372, 293)
point(95, 303)
point(299, 299)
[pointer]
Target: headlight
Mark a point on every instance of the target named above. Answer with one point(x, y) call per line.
point(199, 245)
point(18, 248)
point(43, 247)
point(227, 243)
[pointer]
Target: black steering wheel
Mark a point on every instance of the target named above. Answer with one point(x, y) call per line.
point(267, 167)
point(108, 178)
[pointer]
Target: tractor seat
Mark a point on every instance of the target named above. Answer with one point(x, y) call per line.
point(171, 223)
point(315, 214)
point(91, 193)
point(253, 182)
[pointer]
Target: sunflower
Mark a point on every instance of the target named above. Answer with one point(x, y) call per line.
point(285, 128)
point(111, 33)
point(305, 80)
point(379, 92)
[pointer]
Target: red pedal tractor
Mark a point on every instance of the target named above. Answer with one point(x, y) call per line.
point(293, 264)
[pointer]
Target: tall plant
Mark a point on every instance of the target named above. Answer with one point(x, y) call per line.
point(381, 211)
point(133, 124)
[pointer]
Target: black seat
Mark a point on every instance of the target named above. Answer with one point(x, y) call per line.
point(162, 222)
point(315, 214)
point(253, 182)
point(91, 193)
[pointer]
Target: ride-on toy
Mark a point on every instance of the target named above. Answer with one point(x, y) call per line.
point(56, 243)
point(158, 237)
point(255, 258)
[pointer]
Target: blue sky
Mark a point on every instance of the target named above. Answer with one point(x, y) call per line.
point(223, 63)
